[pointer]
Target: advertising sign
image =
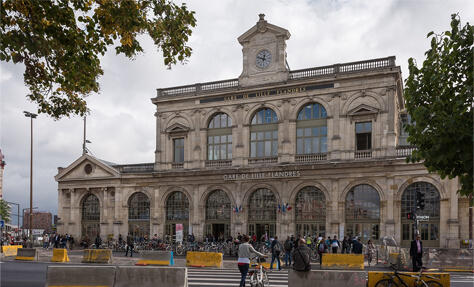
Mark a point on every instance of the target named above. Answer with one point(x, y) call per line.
point(179, 232)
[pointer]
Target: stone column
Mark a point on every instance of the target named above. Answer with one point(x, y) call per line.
point(334, 143)
point(158, 140)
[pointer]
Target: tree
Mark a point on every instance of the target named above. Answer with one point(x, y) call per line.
point(439, 100)
point(4, 211)
point(60, 43)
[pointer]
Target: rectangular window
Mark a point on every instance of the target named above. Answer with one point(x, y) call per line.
point(406, 232)
point(178, 145)
point(364, 136)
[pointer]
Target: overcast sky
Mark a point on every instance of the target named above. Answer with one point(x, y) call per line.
point(121, 125)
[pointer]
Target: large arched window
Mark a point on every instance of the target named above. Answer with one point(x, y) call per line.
point(311, 130)
point(262, 209)
point(363, 212)
point(90, 216)
point(218, 212)
point(429, 225)
point(139, 215)
point(219, 138)
point(177, 212)
point(264, 134)
point(310, 212)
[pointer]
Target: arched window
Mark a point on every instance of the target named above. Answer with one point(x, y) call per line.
point(262, 209)
point(139, 215)
point(363, 212)
point(310, 212)
point(311, 130)
point(429, 225)
point(177, 212)
point(218, 212)
point(264, 134)
point(91, 208)
point(90, 226)
point(219, 138)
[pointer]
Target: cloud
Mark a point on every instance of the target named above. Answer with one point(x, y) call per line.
point(121, 125)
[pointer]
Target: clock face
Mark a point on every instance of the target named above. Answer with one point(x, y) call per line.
point(264, 58)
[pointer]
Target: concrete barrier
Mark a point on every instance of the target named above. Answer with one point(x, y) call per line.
point(333, 278)
point(151, 276)
point(27, 254)
point(204, 259)
point(343, 261)
point(78, 276)
point(97, 256)
point(10, 250)
point(163, 258)
point(374, 277)
point(59, 255)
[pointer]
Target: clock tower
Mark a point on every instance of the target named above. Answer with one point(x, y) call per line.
point(264, 54)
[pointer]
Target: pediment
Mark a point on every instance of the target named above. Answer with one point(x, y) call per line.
point(85, 168)
point(362, 110)
point(263, 26)
point(177, 128)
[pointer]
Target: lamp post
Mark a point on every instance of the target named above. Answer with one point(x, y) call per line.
point(31, 116)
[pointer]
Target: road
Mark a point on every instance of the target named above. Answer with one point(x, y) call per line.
point(33, 274)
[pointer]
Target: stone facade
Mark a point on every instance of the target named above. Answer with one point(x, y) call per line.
point(341, 166)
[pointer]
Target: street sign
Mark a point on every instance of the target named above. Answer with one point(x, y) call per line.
point(422, 217)
point(2, 223)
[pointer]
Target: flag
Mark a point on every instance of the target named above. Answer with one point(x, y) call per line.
point(240, 208)
point(288, 207)
point(284, 207)
point(279, 207)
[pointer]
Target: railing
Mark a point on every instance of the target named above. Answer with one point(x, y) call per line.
point(263, 160)
point(311, 157)
point(363, 154)
point(316, 72)
point(218, 163)
point(405, 150)
point(176, 165)
point(141, 167)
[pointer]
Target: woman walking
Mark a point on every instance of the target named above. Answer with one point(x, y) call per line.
point(245, 250)
point(370, 251)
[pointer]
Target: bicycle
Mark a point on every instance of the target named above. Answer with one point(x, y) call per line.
point(258, 277)
point(396, 279)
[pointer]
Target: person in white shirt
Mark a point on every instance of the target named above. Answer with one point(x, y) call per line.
point(245, 251)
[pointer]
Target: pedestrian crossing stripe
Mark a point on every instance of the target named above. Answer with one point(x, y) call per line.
point(230, 277)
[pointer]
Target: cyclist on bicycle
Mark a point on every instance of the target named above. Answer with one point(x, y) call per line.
point(245, 252)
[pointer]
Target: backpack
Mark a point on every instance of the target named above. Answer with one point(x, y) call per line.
point(321, 247)
point(307, 265)
point(288, 246)
point(277, 247)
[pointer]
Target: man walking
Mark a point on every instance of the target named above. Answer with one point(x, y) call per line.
point(130, 245)
point(416, 253)
point(288, 248)
point(335, 244)
point(276, 250)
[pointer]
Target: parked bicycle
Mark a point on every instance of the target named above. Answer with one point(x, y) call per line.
point(258, 277)
point(396, 279)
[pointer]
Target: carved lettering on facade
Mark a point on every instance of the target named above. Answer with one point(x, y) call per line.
point(261, 175)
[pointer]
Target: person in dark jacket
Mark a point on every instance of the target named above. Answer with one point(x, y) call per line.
point(288, 248)
point(130, 245)
point(357, 246)
point(301, 257)
point(345, 245)
point(276, 250)
point(416, 253)
point(98, 241)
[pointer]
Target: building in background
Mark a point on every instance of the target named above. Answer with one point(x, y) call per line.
point(42, 222)
point(274, 152)
point(2, 167)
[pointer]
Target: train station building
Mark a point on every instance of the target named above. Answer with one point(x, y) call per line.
point(274, 151)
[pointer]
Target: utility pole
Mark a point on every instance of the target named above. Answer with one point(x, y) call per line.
point(31, 116)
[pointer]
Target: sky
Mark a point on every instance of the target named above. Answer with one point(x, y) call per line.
point(121, 124)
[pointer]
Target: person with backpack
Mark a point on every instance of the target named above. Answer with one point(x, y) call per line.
point(276, 248)
point(288, 245)
point(322, 248)
point(301, 257)
point(345, 245)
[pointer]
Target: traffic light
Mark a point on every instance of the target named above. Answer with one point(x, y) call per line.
point(420, 200)
point(410, 215)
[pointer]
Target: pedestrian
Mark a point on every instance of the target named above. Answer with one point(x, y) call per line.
point(288, 245)
point(357, 246)
point(276, 248)
point(309, 241)
point(416, 253)
point(370, 251)
point(130, 245)
point(45, 241)
point(322, 248)
point(345, 245)
point(245, 250)
point(335, 244)
point(302, 257)
point(98, 241)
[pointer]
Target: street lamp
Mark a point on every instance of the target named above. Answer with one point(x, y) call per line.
point(31, 116)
